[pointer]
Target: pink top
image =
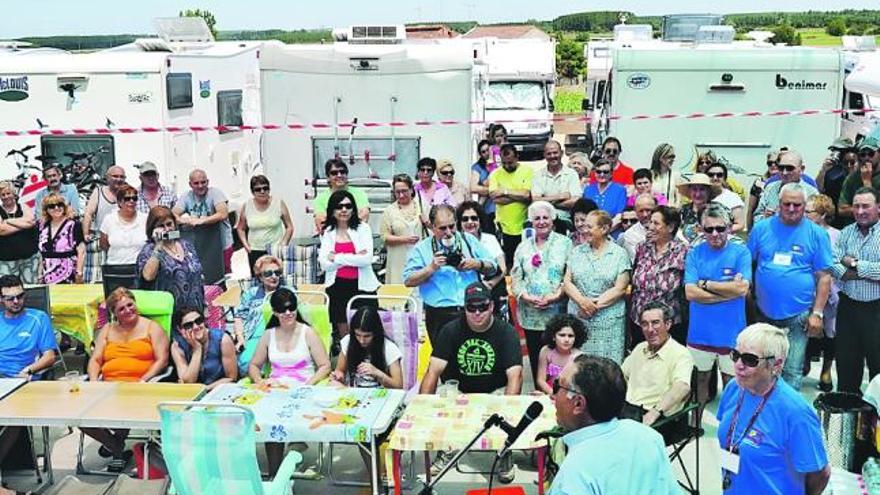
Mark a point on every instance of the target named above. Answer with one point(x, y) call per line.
point(553, 369)
point(442, 195)
point(661, 199)
point(346, 272)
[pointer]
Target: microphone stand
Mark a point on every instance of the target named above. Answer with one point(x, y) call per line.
point(494, 420)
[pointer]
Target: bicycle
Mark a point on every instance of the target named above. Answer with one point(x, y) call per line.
point(82, 172)
point(23, 165)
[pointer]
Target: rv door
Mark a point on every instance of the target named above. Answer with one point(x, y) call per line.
point(182, 155)
point(853, 118)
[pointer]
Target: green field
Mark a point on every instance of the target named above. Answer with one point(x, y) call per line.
point(568, 100)
point(818, 37)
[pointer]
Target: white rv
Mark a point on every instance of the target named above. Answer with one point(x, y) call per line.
point(861, 86)
point(375, 77)
point(181, 79)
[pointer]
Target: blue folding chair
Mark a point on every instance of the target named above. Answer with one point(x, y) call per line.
point(210, 448)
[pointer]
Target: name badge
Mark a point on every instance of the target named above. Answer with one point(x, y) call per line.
point(782, 259)
point(729, 461)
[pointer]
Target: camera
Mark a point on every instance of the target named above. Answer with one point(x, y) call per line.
point(171, 235)
point(454, 258)
point(451, 249)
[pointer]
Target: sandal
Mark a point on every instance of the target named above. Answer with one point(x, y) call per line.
point(117, 465)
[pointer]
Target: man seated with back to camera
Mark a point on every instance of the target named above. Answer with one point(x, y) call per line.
point(442, 265)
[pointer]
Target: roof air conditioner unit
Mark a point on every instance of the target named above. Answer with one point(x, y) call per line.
point(377, 35)
point(715, 34)
point(183, 29)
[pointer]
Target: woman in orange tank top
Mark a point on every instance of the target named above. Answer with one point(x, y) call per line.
point(131, 349)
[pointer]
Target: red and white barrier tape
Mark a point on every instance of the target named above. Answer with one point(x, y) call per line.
point(418, 123)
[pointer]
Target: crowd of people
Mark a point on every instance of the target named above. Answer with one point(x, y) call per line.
point(633, 288)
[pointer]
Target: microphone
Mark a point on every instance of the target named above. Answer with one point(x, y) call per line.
point(534, 410)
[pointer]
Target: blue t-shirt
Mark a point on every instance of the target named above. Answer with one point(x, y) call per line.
point(717, 324)
point(788, 256)
point(23, 339)
point(489, 205)
point(613, 200)
point(783, 445)
point(445, 288)
point(804, 177)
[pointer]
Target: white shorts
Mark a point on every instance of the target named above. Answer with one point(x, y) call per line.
point(704, 360)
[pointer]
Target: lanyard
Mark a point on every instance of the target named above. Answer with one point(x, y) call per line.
point(731, 447)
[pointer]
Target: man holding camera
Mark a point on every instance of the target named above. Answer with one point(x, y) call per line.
point(442, 266)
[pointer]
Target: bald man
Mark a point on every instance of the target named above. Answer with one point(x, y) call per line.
point(205, 205)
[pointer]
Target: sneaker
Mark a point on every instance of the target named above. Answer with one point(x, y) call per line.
point(440, 461)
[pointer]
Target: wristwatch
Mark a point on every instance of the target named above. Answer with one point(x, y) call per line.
point(855, 264)
point(818, 314)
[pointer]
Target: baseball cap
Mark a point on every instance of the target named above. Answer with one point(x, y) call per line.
point(841, 144)
point(477, 293)
point(147, 167)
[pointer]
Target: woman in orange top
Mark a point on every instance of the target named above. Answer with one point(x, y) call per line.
point(131, 349)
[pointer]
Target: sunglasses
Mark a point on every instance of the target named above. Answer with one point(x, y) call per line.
point(557, 387)
point(771, 164)
point(477, 308)
point(344, 206)
point(747, 358)
point(261, 189)
point(629, 220)
point(448, 173)
point(470, 218)
point(864, 153)
point(426, 169)
point(334, 173)
point(603, 171)
point(786, 168)
point(190, 324)
point(789, 204)
point(130, 198)
point(14, 297)
point(272, 273)
point(610, 151)
point(715, 230)
point(287, 308)
point(55, 206)
point(716, 175)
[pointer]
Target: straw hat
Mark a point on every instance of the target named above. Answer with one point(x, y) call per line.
point(696, 180)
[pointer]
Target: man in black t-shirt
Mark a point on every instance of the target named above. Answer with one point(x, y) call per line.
point(480, 351)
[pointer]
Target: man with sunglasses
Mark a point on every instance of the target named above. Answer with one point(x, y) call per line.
point(336, 172)
point(510, 187)
point(717, 277)
point(791, 165)
point(482, 352)
point(206, 205)
point(840, 163)
point(621, 173)
point(866, 175)
point(558, 185)
point(605, 454)
point(152, 192)
point(637, 232)
point(857, 268)
point(792, 278)
point(54, 184)
point(441, 282)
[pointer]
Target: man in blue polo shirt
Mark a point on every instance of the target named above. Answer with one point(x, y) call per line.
point(27, 343)
point(442, 266)
point(717, 275)
point(792, 278)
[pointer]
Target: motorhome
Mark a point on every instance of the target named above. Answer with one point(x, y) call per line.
point(373, 100)
point(180, 79)
point(861, 86)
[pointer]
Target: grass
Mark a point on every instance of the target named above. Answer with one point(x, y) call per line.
point(818, 37)
point(568, 101)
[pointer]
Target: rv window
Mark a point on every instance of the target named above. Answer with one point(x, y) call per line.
point(229, 109)
point(600, 93)
point(856, 101)
point(62, 147)
point(179, 90)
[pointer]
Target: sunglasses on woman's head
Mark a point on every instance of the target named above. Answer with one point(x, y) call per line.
point(190, 324)
point(260, 189)
point(748, 359)
point(272, 273)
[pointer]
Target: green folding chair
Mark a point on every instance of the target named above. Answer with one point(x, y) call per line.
point(209, 448)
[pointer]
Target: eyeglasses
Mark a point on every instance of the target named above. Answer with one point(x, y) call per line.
point(484, 150)
point(448, 172)
point(715, 175)
point(198, 183)
point(337, 172)
point(558, 386)
point(715, 230)
point(629, 220)
point(610, 151)
point(272, 273)
point(287, 308)
point(14, 297)
point(748, 359)
point(260, 189)
point(771, 163)
point(426, 169)
point(402, 192)
point(603, 171)
point(477, 308)
point(344, 206)
point(786, 168)
point(190, 324)
point(55, 206)
point(131, 199)
point(470, 218)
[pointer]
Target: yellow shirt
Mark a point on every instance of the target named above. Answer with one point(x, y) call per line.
point(649, 376)
point(511, 216)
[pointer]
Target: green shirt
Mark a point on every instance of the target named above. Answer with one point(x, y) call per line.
point(360, 199)
point(852, 184)
point(511, 216)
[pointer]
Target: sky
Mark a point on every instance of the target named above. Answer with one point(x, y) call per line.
point(81, 17)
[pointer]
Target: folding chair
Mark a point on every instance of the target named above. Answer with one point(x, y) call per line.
point(678, 432)
point(206, 449)
point(119, 276)
point(401, 324)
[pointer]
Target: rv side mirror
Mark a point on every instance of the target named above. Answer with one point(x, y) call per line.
point(586, 105)
point(551, 106)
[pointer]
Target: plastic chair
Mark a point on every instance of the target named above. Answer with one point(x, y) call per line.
point(209, 448)
point(678, 432)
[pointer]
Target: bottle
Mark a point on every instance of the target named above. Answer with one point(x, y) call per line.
point(871, 476)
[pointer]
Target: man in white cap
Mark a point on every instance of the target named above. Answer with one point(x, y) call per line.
point(152, 193)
